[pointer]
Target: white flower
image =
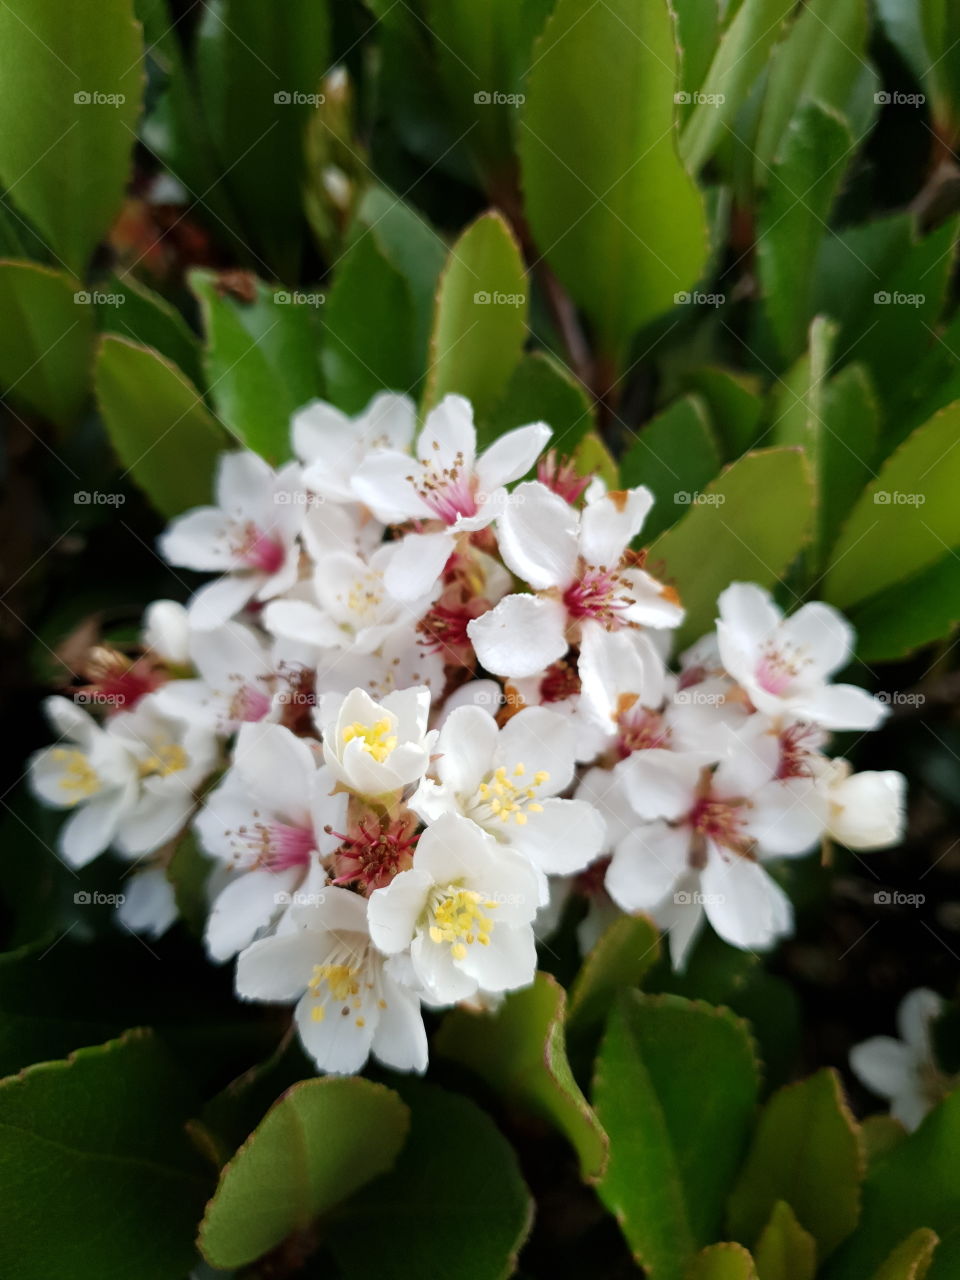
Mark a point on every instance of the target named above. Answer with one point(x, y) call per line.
point(166, 632)
point(88, 771)
point(375, 748)
point(351, 1004)
point(401, 662)
point(720, 825)
point(464, 909)
point(447, 482)
point(507, 781)
point(905, 1070)
point(334, 446)
point(624, 683)
point(580, 567)
point(250, 537)
point(864, 810)
point(267, 822)
point(174, 758)
point(784, 663)
point(236, 680)
point(149, 905)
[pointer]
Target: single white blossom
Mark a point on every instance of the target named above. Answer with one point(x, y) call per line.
point(905, 1071)
point(376, 748)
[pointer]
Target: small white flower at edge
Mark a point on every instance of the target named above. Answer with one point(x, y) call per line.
point(905, 1070)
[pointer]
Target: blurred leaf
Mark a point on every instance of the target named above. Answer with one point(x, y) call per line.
point(542, 390)
point(368, 299)
point(188, 871)
point(905, 519)
point(941, 30)
point(258, 66)
point(675, 456)
point(133, 311)
point(806, 1151)
point(455, 1198)
point(164, 436)
point(96, 1144)
point(911, 1259)
point(336, 162)
point(662, 1111)
point(236, 1110)
point(802, 185)
point(698, 33)
point(344, 1133)
point(480, 321)
point(482, 54)
point(754, 518)
point(71, 80)
point(784, 1250)
point(619, 959)
point(734, 404)
point(880, 1133)
point(902, 20)
point(622, 255)
point(47, 346)
point(926, 607)
point(591, 457)
point(817, 63)
point(262, 360)
point(520, 1051)
point(739, 60)
point(916, 1184)
point(723, 1262)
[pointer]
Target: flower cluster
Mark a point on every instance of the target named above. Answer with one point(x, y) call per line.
point(417, 711)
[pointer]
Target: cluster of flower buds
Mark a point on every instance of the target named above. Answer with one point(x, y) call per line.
point(417, 711)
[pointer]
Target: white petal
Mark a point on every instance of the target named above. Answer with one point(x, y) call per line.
point(745, 906)
point(521, 636)
point(91, 829)
point(400, 1039)
point(278, 969)
point(538, 739)
point(392, 912)
point(199, 539)
point(384, 484)
point(449, 437)
point(748, 616)
point(340, 1045)
point(646, 865)
point(609, 525)
point(660, 783)
point(615, 665)
point(537, 536)
point(465, 749)
point(883, 1064)
point(303, 622)
point(277, 766)
point(510, 960)
point(149, 905)
point(565, 837)
point(247, 904)
point(654, 604)
point(417, 563)
point(822, 634)
point(217, 602)
point(166, 631)
point(787, 817)
point(318, 430)
point(916, 1013)
point(840, 706)
point(243, 484)
point(867, 810)
point(511, 456)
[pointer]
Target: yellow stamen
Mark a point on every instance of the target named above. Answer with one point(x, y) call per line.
point(376, 739)
point(80, 780)
point(168, 758)
point(459, 918)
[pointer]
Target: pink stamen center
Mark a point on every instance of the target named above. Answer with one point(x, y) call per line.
point(371, 853)
point(276, 846)
point(448, 492)
point(598, 594)
point(260, 550)
point(639, 730)
point(776, 671)
point(720, 821)
point(560, 475)
point(249, 704)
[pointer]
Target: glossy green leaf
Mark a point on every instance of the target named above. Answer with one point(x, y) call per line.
point(96, 1145)
point(676, 457)
point(818, 62)
point(368, 298)
point(802, 185)
point(662, 1111)
point(784, 1251)
point(455, 1200)
point(734, 404)
point(906, 518)
point(259, 69)
point(262, 360)
point(481, 316)
point(806, 1151)
point(740, 57)
point(520, 1052)
point(591, 457)
point(914, 613)
point(723, 1262)
point(317, 1145)
point(618, 960)
point(621, 254)
point(47, 347)
point(755, 518)
point(71, 80)
point(915, 1184)
point(542, 390)
point(910, 1260)
point(127, 307)
point(163, 434)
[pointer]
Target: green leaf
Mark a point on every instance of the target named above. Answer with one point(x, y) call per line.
point(754, 518)
point(806, 1151)
point(322, 1141)
point(257, 68)
point(784, 1250)
point(156, 419)
point(802, 186)
point(482, 54)
point(740, 58)
point(369, 299)
point(622, 255)
point(130, 309)
point(941, 30)
point(455, 1193)
point(481, 316)
point(591, 457)
point(188, 871)
point(722, 1262)
point(698, 34)
point(905, 519)
point(262, 360)
point(818, 62)
point(915, 1184)
point(71, 79)
point(96, 1145)
point(520, 1051)
point(542, 390)
point(897, 622)
point(735, 407)
point(662, 1112)
point(619, 959)
point(47, 346)
point(880, 1133)
point(675, 456)
point(911, 1259)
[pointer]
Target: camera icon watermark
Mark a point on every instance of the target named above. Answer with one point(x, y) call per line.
point(94, 98)
point(97, 498)
point(694, 898)
point(683, 99)
point(884, 299)
point(94, 298)
point(894, 898)
point(901, 698)
point(299, 899)
point(86, 898)
point(697, 299)
point(898, 99)
point(297, 298)
point(486, 298)
point(697, 499)
point(294, 98)
point(895, 498)
point(488, 98)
